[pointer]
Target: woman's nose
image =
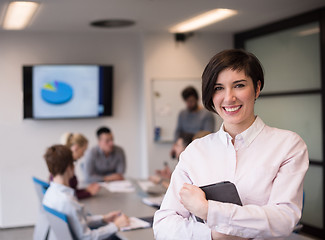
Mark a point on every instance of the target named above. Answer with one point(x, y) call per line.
point(230, 96)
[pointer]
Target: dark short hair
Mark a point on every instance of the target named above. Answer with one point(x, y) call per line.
point(58, 158)
point(234, 59)
point(188, 92)
point(186, 137)
point(102, 130)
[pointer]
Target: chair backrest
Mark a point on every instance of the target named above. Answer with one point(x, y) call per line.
point(42, 225)
point(59, 224)
point(40, 187)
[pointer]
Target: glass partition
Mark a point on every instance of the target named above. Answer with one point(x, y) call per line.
point(313, 188)
point(301, 114)
point(291, 58)
point(293, 95)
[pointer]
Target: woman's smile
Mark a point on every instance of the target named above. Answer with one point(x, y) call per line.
point(232, 109)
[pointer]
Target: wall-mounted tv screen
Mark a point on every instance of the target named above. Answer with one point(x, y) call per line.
point(67, 91)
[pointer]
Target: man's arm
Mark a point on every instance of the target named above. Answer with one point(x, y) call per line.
point(113, 177)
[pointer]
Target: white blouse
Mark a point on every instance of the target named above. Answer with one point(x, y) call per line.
point(266, 164)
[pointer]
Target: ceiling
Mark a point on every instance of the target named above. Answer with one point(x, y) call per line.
point(159, 15)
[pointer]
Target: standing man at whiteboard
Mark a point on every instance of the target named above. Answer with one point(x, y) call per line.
point(194, 118)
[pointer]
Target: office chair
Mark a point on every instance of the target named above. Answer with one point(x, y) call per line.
point(40, 187)
point(42, 225)
point(59, 225)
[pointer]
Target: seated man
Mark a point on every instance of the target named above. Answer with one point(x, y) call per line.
point(61, 197)
point(106, 161)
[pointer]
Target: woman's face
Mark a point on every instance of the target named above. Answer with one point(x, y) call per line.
point(78, 151)
point(234, 99)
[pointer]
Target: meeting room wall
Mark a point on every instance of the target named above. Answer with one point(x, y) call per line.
point(137, 59)
point(23, 142)
point(164, 58)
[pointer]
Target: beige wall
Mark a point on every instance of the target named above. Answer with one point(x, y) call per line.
point(137, 58)
point(23, 142)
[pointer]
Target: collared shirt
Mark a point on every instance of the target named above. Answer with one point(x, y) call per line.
point(266, 164)
point(62, 199)
point(97, 165)
point(193, 122)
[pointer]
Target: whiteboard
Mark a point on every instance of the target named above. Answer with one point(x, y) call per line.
point(167, 103)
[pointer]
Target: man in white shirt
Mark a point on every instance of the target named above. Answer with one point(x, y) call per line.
point(61, 197)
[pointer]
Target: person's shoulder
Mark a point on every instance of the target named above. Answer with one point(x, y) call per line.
point(184, 110)
point(284, 135)
point(202, 143)
point(91, 152)
point(93, 149)
point(56, 194)
point(118, 149)
point(196, 148)
point(206, 139)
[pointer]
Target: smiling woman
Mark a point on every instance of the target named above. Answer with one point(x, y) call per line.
point(234, 100)
point(267, 165)
point(239, 82)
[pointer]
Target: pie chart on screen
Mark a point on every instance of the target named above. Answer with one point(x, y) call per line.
point(56, 92)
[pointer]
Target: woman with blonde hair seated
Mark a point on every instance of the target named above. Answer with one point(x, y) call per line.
point(78, 144)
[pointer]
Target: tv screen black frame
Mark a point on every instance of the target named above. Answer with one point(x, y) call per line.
point(105, 91)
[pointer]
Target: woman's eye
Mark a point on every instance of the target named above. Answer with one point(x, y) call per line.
point(218, 88)
point(240, 85)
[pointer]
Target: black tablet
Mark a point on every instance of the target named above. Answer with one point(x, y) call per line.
point(222, 192)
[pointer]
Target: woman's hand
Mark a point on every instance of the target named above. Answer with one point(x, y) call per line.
point(93, 188)
point(219, 236)
point(193, 199)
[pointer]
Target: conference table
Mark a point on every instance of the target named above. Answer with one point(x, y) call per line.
point(128, 202)
point(131, 204)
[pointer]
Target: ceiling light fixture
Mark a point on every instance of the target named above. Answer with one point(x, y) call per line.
point(19, 14)
point(203, 20)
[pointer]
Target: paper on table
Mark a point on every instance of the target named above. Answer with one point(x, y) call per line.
point(136, 223)
point(150, 187)
point(118, 186)
point(153, 201)
point(145, 185)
